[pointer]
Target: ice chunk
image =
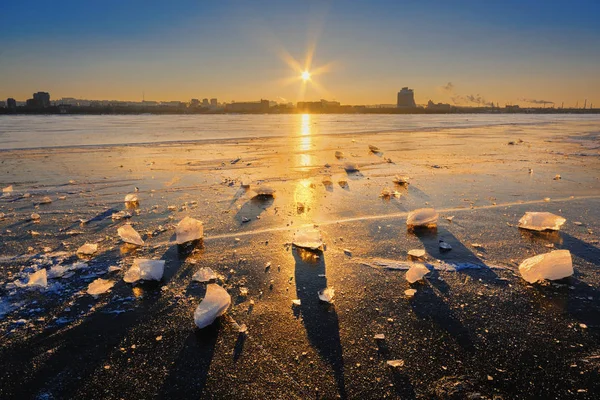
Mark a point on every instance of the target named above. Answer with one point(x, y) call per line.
point(130, 235)
point(416, 273)
point(243, 291)
point(351, 167)
point(120, 215)
point(401, 180)
point(88, 249)
point(264, 191)
point(46, 200)
point(35, 217)
point(444, 246)
point(386, 193)
point(374, 149)
point(327, 294)
point(327, 180)
point(396, 363)
point(554, 265)
point(114, 268)
point(132, 198)
point(38, 279)
point(214, 304)
point(410, 293)
point(339, 154)
point(243, 329)
point(142, 268)
point(556, 177)
point(57, 271)
point(100, 286)
point(297, 302)
point(417, 253)
point(188, 230)
point(7, 189)
point(541, 221)
point(423, 217)
point(308, 239)
point(204, 275)
point(379, 336)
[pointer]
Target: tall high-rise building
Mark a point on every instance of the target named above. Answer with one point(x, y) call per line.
point(406, 98)
point(204, 102)
point(42, 99)
point(11, 103)
point(213, 102)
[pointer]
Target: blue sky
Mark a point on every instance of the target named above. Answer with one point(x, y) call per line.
point(366, 50)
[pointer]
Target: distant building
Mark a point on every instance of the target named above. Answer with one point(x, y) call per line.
point(11, 103)
point(250, 106)
point(205, 103)
point(2, 104)
point(195, 103)
point(438, 107)
point(213, 102)
point(406, 98)
point(42, 99)
point(316, 106)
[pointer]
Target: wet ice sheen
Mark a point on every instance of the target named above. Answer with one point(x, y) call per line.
point(541, 221)
point(214, 304)
point(148, 270)
point(557, 264)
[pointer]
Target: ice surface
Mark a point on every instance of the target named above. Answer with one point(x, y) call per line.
point(423, 217)
point(554, 265)
point(188, 230)
point(327, 294)
point(132, 198)
point(214, 304)
point(417, 253)
point(148, 270)
point(541, 221)
point(88, 249)
point(130, 235)
point(351, 167)
point(204, 275)
point(308, 239)
point(100, 286)
point(416, 273)
point(57, 271)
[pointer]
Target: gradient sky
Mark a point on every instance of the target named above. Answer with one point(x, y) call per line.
point(502, 51)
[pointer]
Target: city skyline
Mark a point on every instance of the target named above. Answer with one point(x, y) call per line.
point(509, 53)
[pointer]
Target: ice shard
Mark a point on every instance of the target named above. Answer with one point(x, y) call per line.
point(214, 304)
point(423, 217)
point(148, 270)
point(188, 230)
point(130, 235)
point(541, 221)
point(557, 264)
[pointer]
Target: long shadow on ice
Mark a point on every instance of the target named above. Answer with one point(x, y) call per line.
point(75, 355)
point(320, 319)
point(460, 257)
point(253, 208)
point(189, 372)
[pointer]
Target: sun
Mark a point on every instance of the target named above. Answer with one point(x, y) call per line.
point(305, 76)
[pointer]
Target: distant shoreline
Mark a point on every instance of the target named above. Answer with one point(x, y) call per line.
point(109, 110)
